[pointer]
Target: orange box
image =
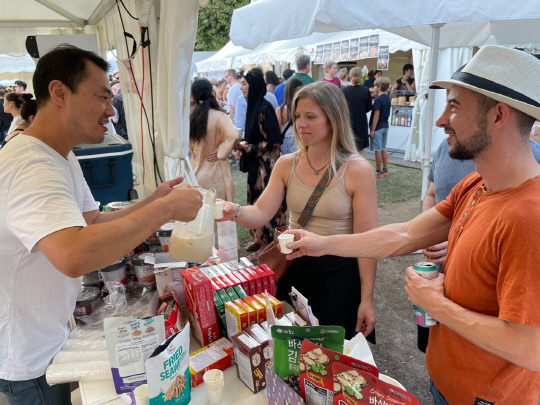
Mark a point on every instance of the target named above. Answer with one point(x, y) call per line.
point(252, 314)
point(236, 318)
point(259, 309)
point(201, 361)
point(277, 305)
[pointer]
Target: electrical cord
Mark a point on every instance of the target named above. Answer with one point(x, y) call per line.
point(125, 8)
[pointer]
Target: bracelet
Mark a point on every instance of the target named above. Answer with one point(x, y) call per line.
point(237, 212)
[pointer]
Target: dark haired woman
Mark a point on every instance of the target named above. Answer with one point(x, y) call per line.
point(28, 113)
point(359, 102)
point(212, 137)
point(261, 151)
point(284, 116)
point(12, 104)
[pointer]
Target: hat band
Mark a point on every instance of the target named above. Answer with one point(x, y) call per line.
point(493, 87)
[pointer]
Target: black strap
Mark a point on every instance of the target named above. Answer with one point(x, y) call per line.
point(285, 130)
point(317, 194)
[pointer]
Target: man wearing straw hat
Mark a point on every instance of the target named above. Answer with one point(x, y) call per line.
point(486, 347)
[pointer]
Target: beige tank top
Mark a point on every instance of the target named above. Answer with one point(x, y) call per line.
point(333, 214)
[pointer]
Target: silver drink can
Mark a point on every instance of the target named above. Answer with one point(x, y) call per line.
point(428, 271)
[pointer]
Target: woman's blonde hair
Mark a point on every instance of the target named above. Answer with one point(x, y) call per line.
point(343, 73)
point(328, 65)
point(331, 100)
point(356, 76)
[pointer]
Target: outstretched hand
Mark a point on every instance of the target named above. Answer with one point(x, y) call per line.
point(307, 243)
point(166, 187)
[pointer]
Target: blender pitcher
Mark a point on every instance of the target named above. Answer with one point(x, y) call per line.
point(193, 241)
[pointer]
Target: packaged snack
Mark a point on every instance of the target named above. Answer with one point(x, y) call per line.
point(316, 377)
point(217, 355)
point(240, 292)
point(288, 342)
point(236, 318)
point(351, 386)
point(168, 371)
point(250, 360)
point(252, 315)
point(259, 309)
point(279, 392)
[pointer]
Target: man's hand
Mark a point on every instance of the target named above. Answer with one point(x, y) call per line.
point(166, 187)
point(424, 293)
point(211, 157)
point(307, 243)
point(436, 253)
point(372, 134)
point(184, 203)
point(366, 318)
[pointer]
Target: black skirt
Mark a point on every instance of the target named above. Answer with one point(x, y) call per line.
point(332, 286)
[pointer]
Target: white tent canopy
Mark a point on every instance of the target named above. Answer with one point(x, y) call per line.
point(441, 24)
point(174, 45)
point(232, 56)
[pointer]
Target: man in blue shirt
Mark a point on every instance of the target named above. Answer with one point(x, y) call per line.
point(279, 92)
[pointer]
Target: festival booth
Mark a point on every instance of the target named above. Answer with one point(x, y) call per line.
point(444, 26)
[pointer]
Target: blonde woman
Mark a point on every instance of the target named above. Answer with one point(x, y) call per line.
point(330, 70)
point(343, 76)
point(340, 290)
point(359, 102)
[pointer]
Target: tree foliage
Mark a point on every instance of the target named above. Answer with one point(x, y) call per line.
point(215, 23)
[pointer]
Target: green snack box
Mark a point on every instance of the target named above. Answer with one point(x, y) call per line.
point(232, 294)
point(240, 292)
point(224, 296)
point(220, 309)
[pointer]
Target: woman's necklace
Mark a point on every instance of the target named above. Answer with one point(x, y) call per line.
point(316, 171)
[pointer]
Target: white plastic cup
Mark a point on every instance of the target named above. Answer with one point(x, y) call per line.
point(213, 382)
point(284, 239)
point(141, 395)
point(218, 209)
point(215, 396)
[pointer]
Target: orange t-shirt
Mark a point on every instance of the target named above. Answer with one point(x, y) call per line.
point(492, 268)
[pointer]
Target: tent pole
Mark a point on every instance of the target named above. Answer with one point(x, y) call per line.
point(435, 36)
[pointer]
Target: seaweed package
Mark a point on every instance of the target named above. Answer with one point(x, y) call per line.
point(355, 387)
point(168, 371)
point(288, 341)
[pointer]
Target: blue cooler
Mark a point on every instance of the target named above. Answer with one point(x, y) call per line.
point(107, 168)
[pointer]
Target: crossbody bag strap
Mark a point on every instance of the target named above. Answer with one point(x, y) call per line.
point(316, 195)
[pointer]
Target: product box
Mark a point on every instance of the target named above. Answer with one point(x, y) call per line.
point(271, 279)
point(279, 392)
point(200, 302)
point(220, 310)
point(355, 387)
point(215, 279)
point(251, 313)
point(277, 306)
point(230, 291)
point(236, 318)
point(258, 279)
point(264, 277)
point(217, 355)
point(250, 361)
point(252, 285)
point(316, 377)
point(259, 309)
point(240, 292)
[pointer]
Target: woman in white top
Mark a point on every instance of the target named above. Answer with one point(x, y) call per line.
point(12, 104)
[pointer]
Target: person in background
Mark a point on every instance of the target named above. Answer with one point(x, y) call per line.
point(51, 231)
point(343, 76)
point(28, 113)
point(212, 137)
point(330, 70)
point(279, 92)
point(13, 103)
point(359, 102)
point(234, 92)
point(378, 122)
point(486, 347)
point(285, 118)
point(116, 75)
point(271, 80)
point(20, 87)
point(261, 150)
point(120, 124)
point(348, 205)
point(5, 117)
point(303, 63)
point(372, 76)
point(406, 85)
point(221, 94)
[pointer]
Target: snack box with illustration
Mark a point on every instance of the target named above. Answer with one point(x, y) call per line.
point(218, 355)
point(200, 304)
point(354, 387)
point(316, 378)
point(253, 353)
point(278, 392)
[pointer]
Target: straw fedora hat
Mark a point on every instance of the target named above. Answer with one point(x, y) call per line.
point(507, 75)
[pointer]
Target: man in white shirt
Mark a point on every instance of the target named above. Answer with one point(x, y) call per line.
point(234, 91)
point(51, 232)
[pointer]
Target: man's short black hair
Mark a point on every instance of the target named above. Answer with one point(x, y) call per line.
point(407, 66)
point(65, 63)
point(21, 83)
point(287, 73)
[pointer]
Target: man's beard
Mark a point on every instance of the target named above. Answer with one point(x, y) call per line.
point(472, 147)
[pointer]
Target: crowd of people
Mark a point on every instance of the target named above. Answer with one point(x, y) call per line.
point(481, 226)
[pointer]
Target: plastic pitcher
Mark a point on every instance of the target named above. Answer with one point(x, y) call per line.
point(193, 241)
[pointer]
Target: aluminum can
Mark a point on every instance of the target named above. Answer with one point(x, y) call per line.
point(428, 271)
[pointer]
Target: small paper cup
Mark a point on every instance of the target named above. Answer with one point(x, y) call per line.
point(213, 379)
point(218, 209)
point(215, 396)
point(141, 395)
point(284, 239)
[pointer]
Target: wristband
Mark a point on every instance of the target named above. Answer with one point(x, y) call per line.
point(237, 212)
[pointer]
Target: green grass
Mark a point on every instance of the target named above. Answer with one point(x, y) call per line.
point(403, 184)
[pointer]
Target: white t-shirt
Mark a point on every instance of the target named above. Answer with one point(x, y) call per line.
point(233, 94)
point(241, 109)
point(41, 193)
point(16, 121)
point(271, 98)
